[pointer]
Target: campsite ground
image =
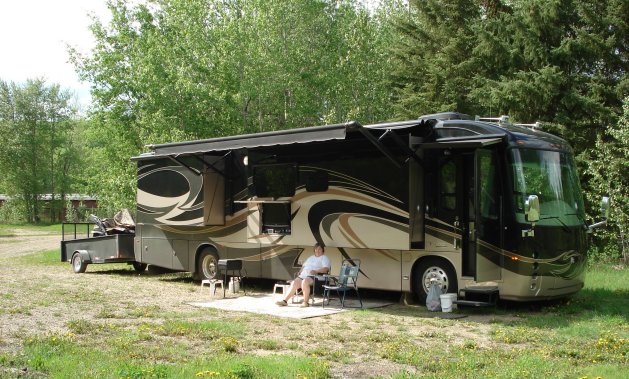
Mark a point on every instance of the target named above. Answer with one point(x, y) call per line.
point(113, 322)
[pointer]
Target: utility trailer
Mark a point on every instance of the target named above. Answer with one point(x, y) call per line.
point(97, 249)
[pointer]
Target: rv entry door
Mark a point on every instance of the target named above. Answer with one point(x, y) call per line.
point(487, 233)
point(468, 200)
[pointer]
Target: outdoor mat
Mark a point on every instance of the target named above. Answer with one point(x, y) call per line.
point(265, 304)
point(450, 316)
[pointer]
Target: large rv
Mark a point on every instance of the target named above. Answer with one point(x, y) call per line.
point(447, 197)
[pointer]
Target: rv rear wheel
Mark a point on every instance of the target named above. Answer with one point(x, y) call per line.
point(438, 269)
point(139, 267)
point(207, 265)
point(78, 265)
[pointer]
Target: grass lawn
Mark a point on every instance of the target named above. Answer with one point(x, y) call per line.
point(586, 336)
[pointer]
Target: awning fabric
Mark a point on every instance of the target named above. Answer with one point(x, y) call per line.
point(306, 135)
point(282, 137)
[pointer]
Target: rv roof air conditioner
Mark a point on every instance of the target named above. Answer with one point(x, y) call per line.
point(536, 126)
point(504, 119)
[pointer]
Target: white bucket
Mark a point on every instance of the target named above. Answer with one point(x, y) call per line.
point(446, 302)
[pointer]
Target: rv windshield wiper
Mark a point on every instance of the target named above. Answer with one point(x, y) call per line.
point(563, 224)
point(581, 218)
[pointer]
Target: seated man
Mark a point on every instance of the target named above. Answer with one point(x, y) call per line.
point(316, 264)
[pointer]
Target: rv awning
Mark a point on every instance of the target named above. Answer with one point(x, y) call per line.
point(282, 137)
point(462, 143)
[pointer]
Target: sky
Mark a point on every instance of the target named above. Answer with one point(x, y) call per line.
point(34, 35)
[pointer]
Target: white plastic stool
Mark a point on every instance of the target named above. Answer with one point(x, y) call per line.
point(281, 286)
point(213, 283)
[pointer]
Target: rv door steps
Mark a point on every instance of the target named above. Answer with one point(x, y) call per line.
point(479, 296)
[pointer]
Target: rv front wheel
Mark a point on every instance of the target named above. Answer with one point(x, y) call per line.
point(207, 265)
point(438, 269)
point(78, 265)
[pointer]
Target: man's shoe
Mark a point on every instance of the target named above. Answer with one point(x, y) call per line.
point(281, 303)
point(305, 305)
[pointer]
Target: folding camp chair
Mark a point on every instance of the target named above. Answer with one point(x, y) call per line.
point(346, 281)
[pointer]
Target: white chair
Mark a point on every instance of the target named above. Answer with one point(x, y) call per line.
point(282, 287)
point(212, 283)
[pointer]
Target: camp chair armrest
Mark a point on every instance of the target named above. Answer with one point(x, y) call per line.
point(332, 280)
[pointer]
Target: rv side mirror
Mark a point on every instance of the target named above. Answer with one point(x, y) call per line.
point(531, 208)
point(605, 213)
point(605, 207)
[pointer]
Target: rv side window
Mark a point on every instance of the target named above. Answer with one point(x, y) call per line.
point(488, 186)
point(276, 218)
point(277, 180)
point(447, 183)
point(316, 181)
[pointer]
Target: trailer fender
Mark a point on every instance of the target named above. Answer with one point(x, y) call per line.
point(79, 260)
point(85, 255)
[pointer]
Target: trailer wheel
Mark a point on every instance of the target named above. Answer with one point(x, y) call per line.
point(78, 265)
point(434, 268)
point(207, 265)
point(139, 267)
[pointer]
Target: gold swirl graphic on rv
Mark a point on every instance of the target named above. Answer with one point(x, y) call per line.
point(351, 235)
point(345, 183)
point(239, 218)
point(275, 251)
point(349, 238)
point(169, 208)
point(511, 255)
point(347, 230)
point(443, 231)
point(345, 180)
point(562, 268)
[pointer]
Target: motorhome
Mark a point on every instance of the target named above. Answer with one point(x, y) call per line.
point(462, 201)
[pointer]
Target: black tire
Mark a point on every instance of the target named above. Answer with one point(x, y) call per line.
point(139, 267)
point(436, 268)
point(207, 264)
point(78, 264)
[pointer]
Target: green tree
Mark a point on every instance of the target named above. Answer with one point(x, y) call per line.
point(608, 171)
point(37, 122)
point(563, 62)
point(434, 57)
point(168, 70)
point(560, 61)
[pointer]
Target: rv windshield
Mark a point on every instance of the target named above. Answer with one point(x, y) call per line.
point(552, 176)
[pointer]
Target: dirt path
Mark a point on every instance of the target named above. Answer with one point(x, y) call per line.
point(26, 242)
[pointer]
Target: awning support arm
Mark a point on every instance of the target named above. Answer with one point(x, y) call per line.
point(411, 154)
point(179, 162)
point(378, 145)
point(208, 164)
